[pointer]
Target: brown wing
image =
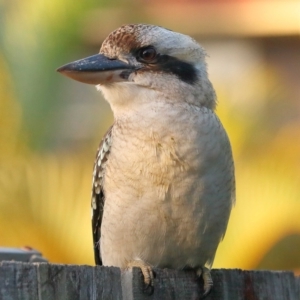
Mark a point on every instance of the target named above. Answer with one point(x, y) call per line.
point(98, 196)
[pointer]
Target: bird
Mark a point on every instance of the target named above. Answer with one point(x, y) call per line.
point(163, 179)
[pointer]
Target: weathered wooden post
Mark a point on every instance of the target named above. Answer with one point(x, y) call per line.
point(43, 281)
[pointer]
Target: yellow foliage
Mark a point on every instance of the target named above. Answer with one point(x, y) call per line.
point(10, 117)
point(267, 210)
point(45, 204)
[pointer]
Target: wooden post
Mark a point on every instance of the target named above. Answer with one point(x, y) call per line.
point(43, 281)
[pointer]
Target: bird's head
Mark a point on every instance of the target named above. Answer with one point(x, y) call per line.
point(141, 63)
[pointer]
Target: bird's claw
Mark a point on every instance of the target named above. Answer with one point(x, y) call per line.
point(207, 280)
point(147, 274)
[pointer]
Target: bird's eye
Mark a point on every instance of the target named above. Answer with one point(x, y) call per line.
point(147, 54)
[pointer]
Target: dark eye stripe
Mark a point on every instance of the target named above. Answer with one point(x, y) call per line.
point(183, 70)
point(167, 64)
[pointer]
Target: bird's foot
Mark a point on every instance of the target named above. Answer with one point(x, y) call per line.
point(147, 273)
point(207, 280)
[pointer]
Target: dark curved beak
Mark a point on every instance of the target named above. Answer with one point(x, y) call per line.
point(97, 69)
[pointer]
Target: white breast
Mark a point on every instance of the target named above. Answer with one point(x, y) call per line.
point(168, 186)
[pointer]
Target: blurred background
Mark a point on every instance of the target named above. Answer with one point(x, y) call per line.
point(50, 126)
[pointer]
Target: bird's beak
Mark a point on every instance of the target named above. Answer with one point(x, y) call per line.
point(97, 69)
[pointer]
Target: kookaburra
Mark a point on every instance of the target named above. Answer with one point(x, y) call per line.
point(163, 181)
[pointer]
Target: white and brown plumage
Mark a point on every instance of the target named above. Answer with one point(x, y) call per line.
point(163, 183)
